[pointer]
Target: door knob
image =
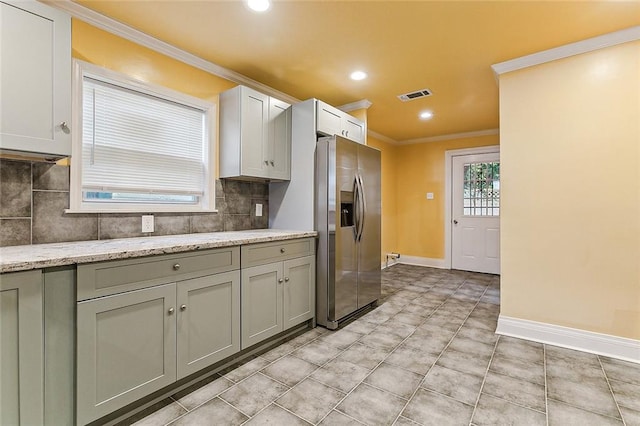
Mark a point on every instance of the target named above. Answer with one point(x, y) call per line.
point(455, 222)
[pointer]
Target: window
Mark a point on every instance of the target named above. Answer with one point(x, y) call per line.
point(139, 147)
point(482, 189)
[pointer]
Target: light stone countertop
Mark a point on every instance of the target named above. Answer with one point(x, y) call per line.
point(22, 258)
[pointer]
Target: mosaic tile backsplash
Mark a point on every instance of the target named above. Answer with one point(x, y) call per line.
point(33, 197)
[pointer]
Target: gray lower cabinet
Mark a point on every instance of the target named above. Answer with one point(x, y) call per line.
point(275, 297)
point(21, 348)
point(133, 343)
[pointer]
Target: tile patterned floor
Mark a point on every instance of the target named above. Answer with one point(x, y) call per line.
point(427, 355)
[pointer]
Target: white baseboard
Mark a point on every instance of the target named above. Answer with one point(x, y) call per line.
point(422, 261)
point(571, 338)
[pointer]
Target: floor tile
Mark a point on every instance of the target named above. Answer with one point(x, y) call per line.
point(626, 394)
point(569, 356)
point(316, 352)
point(279, 351)
point(518, 368)
point(168, 412)
point(394, 379)
point(514, 390)
point(289, 370)
point(478, 334)
point(365, 356)
point(340, 374)
point(254, 393)
point(372, 406)
point(520, 349)
point(486, 323)
point(460, 386)
point(631, 417)
point(408, 318)
point(432, 409)
point(561, 414)
point(594, 397)
point(411, 359)
point(574, 371)
point(276, 416)
point(246, 370)
point(494, 411)
point(621, 371)
point(192, 397)
point(213, 412)
point(361, 327)
point(340, 339)
point(464, 362)
point(381, 339)
point(403, 421)
point(311, 400)
point(336, 418)
point(464, 344)
point(428, 344)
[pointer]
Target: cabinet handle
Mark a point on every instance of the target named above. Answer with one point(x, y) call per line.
point(281, 250)
point(346, 133)
point(171, 311)
point(280, 280)
point(286, 279)
point(176, 267)
point(342, 132)
point(183, 307)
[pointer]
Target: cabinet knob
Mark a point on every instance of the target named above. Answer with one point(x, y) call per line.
point(286, 279)
point(266, 162)
point(271, 162)
point(176, 267)
point(64, 127)
point(281, 250)
point(183, 307)
point(280, 280)
point(171, 311)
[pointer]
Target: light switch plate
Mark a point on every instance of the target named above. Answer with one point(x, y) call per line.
point(258, 210)
point(429, 195)
point(147, 223)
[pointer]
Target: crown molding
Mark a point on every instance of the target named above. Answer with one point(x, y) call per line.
point(583, 46)
point(362, 104)
point(127, 32)
point(450, 136)
point(381, 137)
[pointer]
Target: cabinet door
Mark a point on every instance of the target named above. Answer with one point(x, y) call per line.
point(299, 290)
point(279, 140)
point(329, 120)
point(208, 320)
point(35, 78)
point(21, 349)
point(254, 133)
point(261, 303)
point(126, 347)
point(353, 129)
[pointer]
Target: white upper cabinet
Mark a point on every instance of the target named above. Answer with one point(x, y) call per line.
point(332, 121)
point(255, 136)
point(35, 79)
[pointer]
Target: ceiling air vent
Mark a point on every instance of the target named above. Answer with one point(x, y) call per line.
point(414, 95)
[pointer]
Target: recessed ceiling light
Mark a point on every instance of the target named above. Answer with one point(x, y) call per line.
point(259, 5)
point(358, 75)
point(426, 115)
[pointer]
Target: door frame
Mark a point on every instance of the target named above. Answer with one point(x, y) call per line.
point(448, 188)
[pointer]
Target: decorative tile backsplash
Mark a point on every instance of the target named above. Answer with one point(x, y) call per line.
point(33, 197)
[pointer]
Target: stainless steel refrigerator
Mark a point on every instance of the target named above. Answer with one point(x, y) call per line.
point(347, 203)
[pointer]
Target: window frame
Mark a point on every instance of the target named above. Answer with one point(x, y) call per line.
point(206, 202)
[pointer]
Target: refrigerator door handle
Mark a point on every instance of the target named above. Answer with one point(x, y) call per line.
point(363, 210)
point(356, 210)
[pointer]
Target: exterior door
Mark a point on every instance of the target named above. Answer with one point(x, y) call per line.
point(475, 214)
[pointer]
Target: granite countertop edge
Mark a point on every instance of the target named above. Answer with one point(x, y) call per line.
point(38, 256)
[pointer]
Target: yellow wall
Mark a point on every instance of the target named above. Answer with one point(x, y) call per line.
point(421, 169)
point(388, 192)
point(101, 48)
point(570, 152)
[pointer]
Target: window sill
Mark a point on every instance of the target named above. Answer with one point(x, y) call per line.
point(141, 210)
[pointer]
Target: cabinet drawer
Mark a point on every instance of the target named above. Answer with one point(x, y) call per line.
point(106, 278)
point(263, 253)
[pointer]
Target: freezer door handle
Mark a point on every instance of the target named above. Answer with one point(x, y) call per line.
point(362, 211)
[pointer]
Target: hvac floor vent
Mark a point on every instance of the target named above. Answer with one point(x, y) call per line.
point(414, 95)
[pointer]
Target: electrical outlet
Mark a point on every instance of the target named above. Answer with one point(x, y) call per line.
point(429, 195)
point(258, 210)
point(147, 223)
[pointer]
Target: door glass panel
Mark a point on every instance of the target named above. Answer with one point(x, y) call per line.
point(481, 189)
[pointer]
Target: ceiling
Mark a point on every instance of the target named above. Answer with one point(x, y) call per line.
point(308, 48)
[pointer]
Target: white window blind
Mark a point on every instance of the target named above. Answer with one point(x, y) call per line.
point(135, 142)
